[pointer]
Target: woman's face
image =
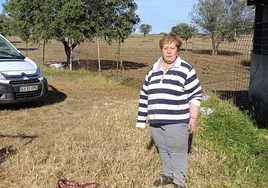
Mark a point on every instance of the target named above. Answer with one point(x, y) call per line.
point(170, 52)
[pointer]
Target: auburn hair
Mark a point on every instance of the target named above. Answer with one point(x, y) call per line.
point(169, 38)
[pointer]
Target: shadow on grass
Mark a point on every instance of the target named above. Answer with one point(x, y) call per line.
point(186, 50)
point(15, 41)
point(9, 151)
point(245, 64)
point(220, 52)
point(240, 100)
point(92, 65)
point(29, 49)
point(54, 96)
point(105, 65)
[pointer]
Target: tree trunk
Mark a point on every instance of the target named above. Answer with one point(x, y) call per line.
point(68, 47)
point(186, 45)
point(67, 50)
point(26, 48)
point(214, 51)
point(44, 50)
point(217, 47)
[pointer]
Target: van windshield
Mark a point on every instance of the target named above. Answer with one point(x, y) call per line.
point(7, 51)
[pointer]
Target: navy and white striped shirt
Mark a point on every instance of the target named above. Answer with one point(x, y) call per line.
point(165, 96)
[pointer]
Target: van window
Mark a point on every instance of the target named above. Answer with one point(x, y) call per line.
point(7, 51)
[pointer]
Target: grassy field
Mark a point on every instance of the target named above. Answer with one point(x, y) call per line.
point(85, 131)
point(229, 71)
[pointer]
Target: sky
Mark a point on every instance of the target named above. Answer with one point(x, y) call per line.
point(162, 15)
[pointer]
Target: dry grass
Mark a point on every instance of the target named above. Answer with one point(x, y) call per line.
point(86, 129)
point(226, 71)
point(86, 132)
point(88, 135)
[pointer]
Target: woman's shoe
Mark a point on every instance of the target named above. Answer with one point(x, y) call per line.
point(165, 180)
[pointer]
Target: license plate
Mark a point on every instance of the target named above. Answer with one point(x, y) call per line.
point(29, 88)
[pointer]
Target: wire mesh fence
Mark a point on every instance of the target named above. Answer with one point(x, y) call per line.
point(227, 73)
point(128, 61)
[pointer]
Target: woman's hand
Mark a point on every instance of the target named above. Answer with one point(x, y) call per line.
point(192, 126)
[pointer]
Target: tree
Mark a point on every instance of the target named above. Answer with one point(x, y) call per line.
point(145, 29)
point(74, 21)
point(21, 24)
point(222, 18)
point(3, 25)
point(184, 30)
point(162, 33)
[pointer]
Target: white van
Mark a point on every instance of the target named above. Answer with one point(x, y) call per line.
point(21, 79)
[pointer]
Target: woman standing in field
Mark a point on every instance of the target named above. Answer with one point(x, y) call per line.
point(170, 100)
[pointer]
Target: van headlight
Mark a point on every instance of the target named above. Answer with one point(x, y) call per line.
point(2, 77)
point(39, 72)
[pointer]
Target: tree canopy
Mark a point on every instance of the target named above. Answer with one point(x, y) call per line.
point(77, 20)
point(3, 25)
point(184, 30)
point(222, 19)
point(145, 29)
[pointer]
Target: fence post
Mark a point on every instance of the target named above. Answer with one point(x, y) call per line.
point(98, 48)
point(70, 42)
